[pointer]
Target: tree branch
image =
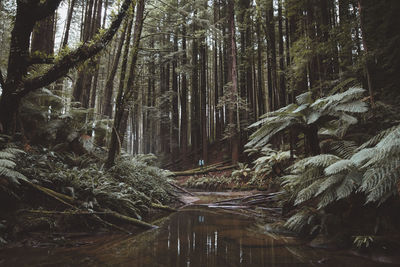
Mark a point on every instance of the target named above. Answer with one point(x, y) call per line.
point(40, 60)
point(72, 59)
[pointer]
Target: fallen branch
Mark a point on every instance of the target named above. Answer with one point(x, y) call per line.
point(204, 170)
point(65, 199)
point(132, 220)
point(162, 207)
point(180, 188)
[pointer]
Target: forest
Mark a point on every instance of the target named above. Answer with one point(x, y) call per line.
point(119, 117)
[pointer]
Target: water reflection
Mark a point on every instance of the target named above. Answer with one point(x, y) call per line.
point(196, 237)
point(203, 238)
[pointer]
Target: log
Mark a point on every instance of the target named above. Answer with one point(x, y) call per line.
point(180, 188)
point(162, 207)
point(64, 198)
point(131, 220)
point(203, 171)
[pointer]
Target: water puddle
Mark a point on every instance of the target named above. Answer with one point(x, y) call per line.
point(194, 236)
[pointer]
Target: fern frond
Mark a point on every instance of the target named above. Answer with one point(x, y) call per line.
point(343, 149)
point(348, 119)
point(308, 192)
point(363, 155)
point(339, 166)
point(327, 198)
point(348, 185)
point(353, 107)
point(328, 183)
point(391, 139)
point(304, 98)
point(12, 175)
point(6, 155)
point(298, 221)
point(380, 181)
point(313, 117)
point(377, 138)
point(6, 163)
point(323, 160)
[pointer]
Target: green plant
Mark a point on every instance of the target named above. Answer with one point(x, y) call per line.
point(243, 173)
point(372, 169)
point(379, 159)
point(363, 241)
point(129, 188)
point(212, 182)
point(269, 164)
point(308, 116)
point(8, 156)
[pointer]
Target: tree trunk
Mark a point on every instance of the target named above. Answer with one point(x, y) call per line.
point(195, 101)
point(232, 78)
point(125, 94)
point(174, 102)
point(312, 140)
point(15, 87)
point(184, 99)
point(109, 87)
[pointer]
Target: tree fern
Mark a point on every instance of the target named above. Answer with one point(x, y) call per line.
point(306, 112)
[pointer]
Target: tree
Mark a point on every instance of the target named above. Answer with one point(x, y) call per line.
point(126, 92)
point(18, 82)
point(232, 83)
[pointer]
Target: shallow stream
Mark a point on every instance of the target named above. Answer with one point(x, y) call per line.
point(193, 236)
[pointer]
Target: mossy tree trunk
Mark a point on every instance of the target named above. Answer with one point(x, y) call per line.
point(18, 82)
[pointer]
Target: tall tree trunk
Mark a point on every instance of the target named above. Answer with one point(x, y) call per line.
point(43, 37)
point(184, 99)
point(282, 80)
point(260, 80)
point(68, 23)
point(232, 78)
point(174, 102)
point(15, 87)
point(109, 86)
point(203, 97)
point(271, 47)
point(125, 93)
point(195, 101)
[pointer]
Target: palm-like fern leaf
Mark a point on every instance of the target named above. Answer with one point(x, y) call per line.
point(7, 165)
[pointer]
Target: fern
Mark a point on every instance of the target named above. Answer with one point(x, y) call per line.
point(323, 160)
point(7, 165)
point(308, 192)
point(342, 148)
point(348, 185)
point(300, 220)
point(306, 112)
point(339, 166)
point(381, 165)
point(328, 183)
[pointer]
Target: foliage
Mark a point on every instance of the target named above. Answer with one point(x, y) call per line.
point(269, 164)
point(130, 187)
point(243, 173)
point(8, 158)
point(307, 112)
point(363, 241)
point(372, 169)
